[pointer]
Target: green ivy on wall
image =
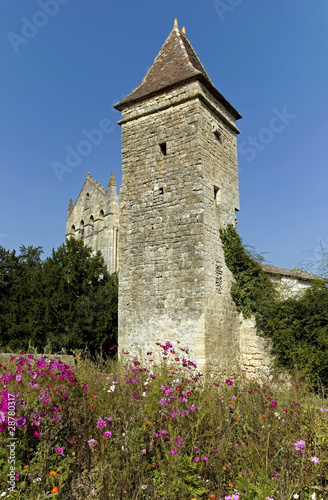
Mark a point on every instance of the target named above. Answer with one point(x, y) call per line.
point(298, 326)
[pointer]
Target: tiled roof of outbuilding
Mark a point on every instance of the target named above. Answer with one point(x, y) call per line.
point(175, 64)
point(294, 273)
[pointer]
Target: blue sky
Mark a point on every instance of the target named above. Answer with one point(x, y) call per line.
point(64, 64)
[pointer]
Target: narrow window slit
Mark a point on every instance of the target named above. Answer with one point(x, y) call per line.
point(163, 148)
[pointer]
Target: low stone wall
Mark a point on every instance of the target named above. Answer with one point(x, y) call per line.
point(255, 351)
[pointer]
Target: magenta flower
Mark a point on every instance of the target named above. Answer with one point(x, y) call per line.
point(163, 432)
point(275, 474)
point(20, 422)
point(246, 471)
point(173, 452)
point(273, 404)
point(60, 451)
point(107, 434)
point(143, 452)
point(314, 460)
point(101, 423)
point(36, 434)
point(196, 459)
point(156, 435)
point(299, 445)
point(229, 382)
point(91, 442)
point(205, 459)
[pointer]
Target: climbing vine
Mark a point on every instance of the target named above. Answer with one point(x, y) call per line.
point(298, 326)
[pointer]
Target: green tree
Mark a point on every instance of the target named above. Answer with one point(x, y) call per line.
point(79, 304)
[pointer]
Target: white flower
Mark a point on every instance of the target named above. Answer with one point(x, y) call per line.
point(111, 389)
point(296, 495)
point(313, 496)
point(3, 494)
point(144, 394)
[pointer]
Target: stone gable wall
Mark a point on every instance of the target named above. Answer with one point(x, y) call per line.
point(101, 233)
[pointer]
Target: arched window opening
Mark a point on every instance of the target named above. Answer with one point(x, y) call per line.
point(101, 219)
point(87, 200)
point(92, 223)
point(82, 229)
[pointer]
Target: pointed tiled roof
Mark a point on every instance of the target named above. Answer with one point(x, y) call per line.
point(175, 64)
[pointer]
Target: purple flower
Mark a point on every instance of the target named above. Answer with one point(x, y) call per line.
point(101, 423)
point(273, 404)
point(275, 474)
point(107, 434)
point(246, 471)
point(315, 460)
point(229, 382)
point(20, 422)
point(163, 432)
point(143, 452)
point(205, 459)
point(91, 442)
point(60, 451)
point(299, 445)
point(173, 452)
point(323, 409)
point(156, 435)
point(196, 459)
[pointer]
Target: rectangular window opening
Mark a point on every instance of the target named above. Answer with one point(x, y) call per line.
point(216, 192)
point(163, 148)
point(161, 191)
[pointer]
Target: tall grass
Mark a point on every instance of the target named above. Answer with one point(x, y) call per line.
point(124, 430)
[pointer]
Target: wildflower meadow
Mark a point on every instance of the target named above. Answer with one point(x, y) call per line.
point(157, 429)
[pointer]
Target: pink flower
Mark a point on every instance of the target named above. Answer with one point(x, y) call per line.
point(205, 459)
point(156, 435)
point(91, 442)
point(101, 423)
point(173, 452)
point(60, 451)
point(314, 460)
point(229, 382)
point(163, 432)
point(196, 459)
point(107, 434)
point(299, 445)
point(143, 452)
point(275, 474)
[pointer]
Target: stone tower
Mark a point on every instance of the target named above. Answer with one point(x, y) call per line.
point(95, 219)
point(179, 186)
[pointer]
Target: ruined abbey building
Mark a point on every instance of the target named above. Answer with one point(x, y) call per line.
point(179, 186)
point(95, 219)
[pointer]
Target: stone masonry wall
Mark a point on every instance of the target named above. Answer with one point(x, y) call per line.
point(174, 284)
point(95, 219)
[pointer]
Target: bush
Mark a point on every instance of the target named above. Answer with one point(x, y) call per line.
point(298, 327)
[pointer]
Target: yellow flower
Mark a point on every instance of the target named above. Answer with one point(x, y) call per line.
point(73, 453)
